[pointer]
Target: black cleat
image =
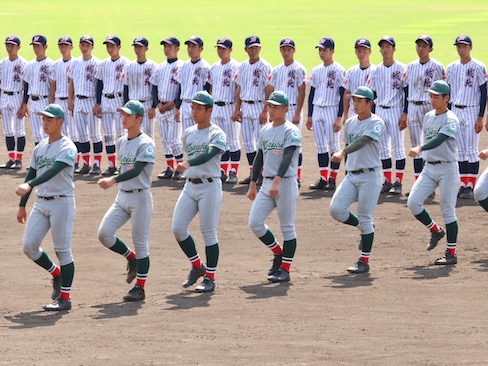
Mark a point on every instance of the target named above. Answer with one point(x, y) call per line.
point(460, 192)
point(280, 276)
point(167, 174)
point(467, 194)
point(331, 185)
point(95, 170)
point(178, 176)
point(8, 165)
point(223, 176)
point(246, 181)
point(59, 304)
point(207, 285)
point(232, 178)
point(17, 165)
point(299, 183)
point(135, 294)
point(194, 275)
point(396, 189)
point(110, 171)
point(386, 187)
point(131, 271)
point(56, 281)
point(359, 267)
point(446, 260)
point(275, 267)
point(435, 238)
point(319, 184)
point(85, 169)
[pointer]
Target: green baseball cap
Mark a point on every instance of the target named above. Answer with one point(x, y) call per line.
point(52, 110)
point(278, 98)
point(203, 98)
point(440, 87)
point(362, 92)
point(132, 107)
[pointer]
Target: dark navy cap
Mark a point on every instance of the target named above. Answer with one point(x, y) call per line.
point(224, 43)
point(426, 39)
point(326, 42)
point(13, 40)
point(171, 41)
point(362, 42)
point(65, 40)
point(112, 39)
point(140, 41)
point(39, 39)
point(252, 41)
point(287, 42)
point(195, 40)
point(88, 39)
point(464, 39)
point(388, 39)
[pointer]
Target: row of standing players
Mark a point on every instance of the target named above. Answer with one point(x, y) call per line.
point(91, 89)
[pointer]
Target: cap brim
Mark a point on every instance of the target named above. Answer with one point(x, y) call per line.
point(434, 92)
point(138, 44)
point(462, 42)
point(46, 113)
point(350, 96)
point(274, 102)
point(221, 46)
point(200, 102)
point(363, 45)
point(42, 44)
point(125, 109)
point(89, 42)
point(193, 42)
point(287, 44)
point(11, 42)
point(254, 45)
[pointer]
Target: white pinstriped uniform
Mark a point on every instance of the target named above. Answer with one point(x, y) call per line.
point(326, 80)
point(388, 83)
point(252, 80)
point(356, 76)
point(222, 79)
point(192, 78)
point(288, 79)
point(111, 73)
point(59, 74)
point(137, 78)
point(169, 130)
point(419, 79)
point(11, 81)
point(84, 82)
point(465, 80)
point(36, 74)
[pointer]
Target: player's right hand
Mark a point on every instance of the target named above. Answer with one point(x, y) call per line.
point(483, 154)
point(21, 215)
point(237, 116)
point(309, 124)
point(97, 110)
point(252, 191)
point(177, 115)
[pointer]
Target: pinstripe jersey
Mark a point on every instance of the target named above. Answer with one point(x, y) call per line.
point(111, 73)
point(252, 79)
point(59, 74)
point(327, 80)
point(222, 78)
point(137, 78)
point(388, 83)
point(11, 74)
point(165, 78)
point(288, 79)
point(36, 74)
point(83, 76)
point(465, 80)
point(193, 77)
point(421, 76)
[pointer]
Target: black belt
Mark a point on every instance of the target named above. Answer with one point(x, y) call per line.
point(63, 98)
point(252, 101)
point(10, 92)
point(221, 104)
point(112, 96)
point(361, 171)
point(199, 181)
point(460, 106)
point(274, 177)
point(418, 102)
point(144, 100)
point(163, 103)
point(82, 97)
point(437, 162)
point(133, 190)
point(38, 97)
point(385, 106)
point(49, 198)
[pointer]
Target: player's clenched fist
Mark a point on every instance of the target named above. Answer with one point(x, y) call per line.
point(106, 183)
point(21, 215)
point(23, 189)
point(252, 191)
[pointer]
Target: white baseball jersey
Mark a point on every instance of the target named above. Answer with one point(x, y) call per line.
point(11, 74)
point(111, 72)
point(388, 82)
point(222, 78)
point(420, 77)
point(252, 80)
point(465, 80)
point(355, 77)
point(83, 75)
point(60, 74)
point(36, 74)
point(288, 79)
point(193, 77)
point(137, 78)
point(165, 78)
point(327, 80)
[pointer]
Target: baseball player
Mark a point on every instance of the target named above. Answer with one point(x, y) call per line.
point(51, 171)
point(388, 81)
point(481, 190)
point(11, 70)
point(467, 78)
point(193, 77)
point(421, 74)
point(203, 142)
point(252, 90)
point(109, 97)
point(60, 83)
point(134, 202)
point(165, 92)
point(223, 90)
point(362, 184)
point(357, 75)
point(290, 77)
point(37, 86)
point(440, 127)
point(325, 110)
point(138, 74)
point(277, 156)
point(81, 100)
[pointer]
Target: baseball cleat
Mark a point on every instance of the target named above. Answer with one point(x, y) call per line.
point(275, 267)
point(167, 174)
point(280, 276)
point(194, 275)
point(435, 238)
point(178, 176)
point(8, 165)
point(446, 260)
point(386, 187)
point(396, 189)
point(331, 185)
point(137, 293)
point(56, 281)
point(85, 169)
point(17, 165)
point(95, 170)
point(299, 183)
point(359, 267)
point(232, 178)
point(246, 180)
point(59, 304)
point(131, 271)
point(109, 172)
point(319, 184)
point(207, 285)
point(223, 176)
point(460, 192)
point(467, 194)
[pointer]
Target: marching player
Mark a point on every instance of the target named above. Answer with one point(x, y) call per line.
point(252, 91)
point(134, 202)
point(110, 96)
point(440, 127)
point(204, 142)
point(290, 77)
point(467, 78)
point(277, 156)
point(223, 89)
point(325, 110)
point(481, 190)
point(362, 184)
point(51, 171)
point(165, 91)
point(11, 70)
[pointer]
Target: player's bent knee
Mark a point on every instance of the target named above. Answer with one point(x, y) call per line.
point(106, 237)
point(32, 251)
point(257, 227)
point(480, 194)
point(414, 206)
point(338, 213)
point(180, 232)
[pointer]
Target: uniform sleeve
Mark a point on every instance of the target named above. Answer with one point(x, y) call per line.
point(237, 76)
point(375, 130)
point(450, 128)
point(302, 76)
point(292, 137)
point(26, 74)
point(127, 71)
point(219, 140)
point(146, 153)
point(99, 71)
point(370, 83)
point(33, 161)
point(272, 78)
point(481, 76)
point(404, 76)
point(67, 155)
point(313, 78)
point(154, 77)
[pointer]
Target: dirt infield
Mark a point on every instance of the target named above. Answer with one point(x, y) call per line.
point(404, 312)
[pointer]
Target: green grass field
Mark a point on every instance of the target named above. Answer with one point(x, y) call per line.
point(306, 21)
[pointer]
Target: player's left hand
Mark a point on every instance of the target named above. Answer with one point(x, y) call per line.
point(263, 117)
point(181, 167)
point(414, 151)
point(151, 113)
point(338, 156)
point(403, 122)
point(478, 125)
point(106, 183)
point(177, 115)
point(252, 191)
point(309, 124)
point(23, 189)
point(483, 154)
point(337, 124)
point(274, 190)
point(296, 119)
point(21, 215)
